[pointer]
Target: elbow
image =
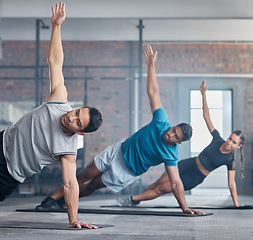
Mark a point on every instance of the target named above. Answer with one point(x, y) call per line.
point(231, 186)
point(152, 92)
point(69, 185)
point(177, 186)
point(50, 61)
point(174, 186)
point(205, 116)
point(66, 186)
point(54, 62)
point(71, 188)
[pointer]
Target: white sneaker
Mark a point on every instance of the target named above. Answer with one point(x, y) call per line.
point(127, 202)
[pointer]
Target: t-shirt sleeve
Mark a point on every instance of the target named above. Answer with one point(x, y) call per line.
point(170, 163)
point(231, 165)
point(159, 115)
point(215, 134)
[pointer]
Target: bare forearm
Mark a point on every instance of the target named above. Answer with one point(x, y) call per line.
point(55, 53)
point(234, 195)
point(152, 85)
point(205, 107)
point(71, 195)
point(178, 191)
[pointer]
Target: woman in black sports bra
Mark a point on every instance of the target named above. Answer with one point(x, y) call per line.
point(194, 170)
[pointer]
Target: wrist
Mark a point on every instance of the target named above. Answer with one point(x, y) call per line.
point(56, 26)
point(185, 210)
point(152, 64)
point(73, 222)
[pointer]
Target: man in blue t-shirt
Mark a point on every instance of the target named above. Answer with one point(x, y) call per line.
point(120, 164)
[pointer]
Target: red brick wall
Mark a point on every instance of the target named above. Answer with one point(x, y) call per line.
point(112, 96)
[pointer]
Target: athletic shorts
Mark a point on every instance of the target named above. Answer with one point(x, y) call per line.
point(7, 183)
point(189, 173)
point(116, 175)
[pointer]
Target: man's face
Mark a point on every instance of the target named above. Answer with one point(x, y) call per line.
point(75, 121)
point(173, 136)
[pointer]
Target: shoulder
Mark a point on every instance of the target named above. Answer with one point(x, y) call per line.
point(160, 118)
point(231, 164)
point(160, 114)
point(215, 134)
point(59, 105)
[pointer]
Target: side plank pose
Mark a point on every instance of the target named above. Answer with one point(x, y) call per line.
point(194, 170)
point(120, 164)
point(48, 133)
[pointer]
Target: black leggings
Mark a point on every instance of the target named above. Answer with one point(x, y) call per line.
point(189, 173)
point(7, 183)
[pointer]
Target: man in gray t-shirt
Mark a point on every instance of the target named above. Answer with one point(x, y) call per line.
point(48, 133)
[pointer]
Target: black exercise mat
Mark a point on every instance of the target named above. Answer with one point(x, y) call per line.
point(193, 207)
point(43, 225)
point(224, 207)
point(123, 212)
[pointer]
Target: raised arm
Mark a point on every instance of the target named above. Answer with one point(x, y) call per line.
point(206, 114)
point(58, 92)
point(178, 189)
point(152, 85)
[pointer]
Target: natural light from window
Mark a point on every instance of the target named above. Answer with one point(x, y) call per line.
point(219, 103)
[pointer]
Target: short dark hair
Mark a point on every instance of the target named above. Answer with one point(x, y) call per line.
point(95, 120)
point(186, 130)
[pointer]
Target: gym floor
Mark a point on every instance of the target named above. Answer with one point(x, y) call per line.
point(223, 224)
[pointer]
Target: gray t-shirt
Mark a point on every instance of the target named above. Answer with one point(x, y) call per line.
point(37, 140)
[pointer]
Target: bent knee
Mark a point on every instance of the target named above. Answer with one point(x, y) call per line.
point(95, 184)
point(80, 182)
point(82, 177)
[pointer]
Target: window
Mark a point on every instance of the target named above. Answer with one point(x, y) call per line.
point(220, 108)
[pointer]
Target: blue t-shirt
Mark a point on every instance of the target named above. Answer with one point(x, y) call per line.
point(147, 147)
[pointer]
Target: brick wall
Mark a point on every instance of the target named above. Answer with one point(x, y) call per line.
point(111, 95)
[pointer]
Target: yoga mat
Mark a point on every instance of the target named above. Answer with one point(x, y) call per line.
point(45, 225)
point(192, 207)
point(123, 212)
point(224, 207)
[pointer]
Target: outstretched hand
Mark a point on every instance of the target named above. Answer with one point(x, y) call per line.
point(149, 55)
point(58, 14)
point(203, 87)
point(77, 224)
point(192, 211)
point(239, 205)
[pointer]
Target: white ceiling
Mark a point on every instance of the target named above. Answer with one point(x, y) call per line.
point(116, 20)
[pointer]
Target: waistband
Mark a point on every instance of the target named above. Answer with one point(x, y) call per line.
point(201, 168)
